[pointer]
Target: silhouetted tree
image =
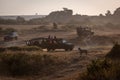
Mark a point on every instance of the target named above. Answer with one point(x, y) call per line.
point(117, 12)
point(108, 13)
point(101, 15)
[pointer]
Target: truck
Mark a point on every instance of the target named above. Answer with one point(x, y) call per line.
point(51, 44)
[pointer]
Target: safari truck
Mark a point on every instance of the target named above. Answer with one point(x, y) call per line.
point(51, 44)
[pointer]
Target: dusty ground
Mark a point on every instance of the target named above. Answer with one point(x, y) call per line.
point(77, 64)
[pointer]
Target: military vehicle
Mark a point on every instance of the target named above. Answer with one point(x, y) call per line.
point(84, 32)
point(11, 36)
point(51, 44)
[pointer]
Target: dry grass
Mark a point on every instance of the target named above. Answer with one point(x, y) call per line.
point(67, 64)
point(24, 63)
point(101, 70)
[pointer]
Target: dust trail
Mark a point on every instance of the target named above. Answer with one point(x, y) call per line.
point(88, 43)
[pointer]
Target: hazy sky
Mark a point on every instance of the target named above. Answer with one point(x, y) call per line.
point(43, 7)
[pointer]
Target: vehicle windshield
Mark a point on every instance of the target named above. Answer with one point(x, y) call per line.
point(64, 41)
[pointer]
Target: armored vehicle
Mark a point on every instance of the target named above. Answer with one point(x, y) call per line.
point(51, 44)
point(84, 32)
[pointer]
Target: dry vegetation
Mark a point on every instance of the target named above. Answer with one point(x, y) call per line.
point(106, 69)
point(58, 65)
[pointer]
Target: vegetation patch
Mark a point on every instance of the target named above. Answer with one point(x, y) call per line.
point(107, 69)
point(2, 49)
point(101, 70)
point(19, 64)
point(115, 52)
point(23, 48)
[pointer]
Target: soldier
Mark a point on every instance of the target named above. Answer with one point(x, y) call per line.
point(55, 37)
point(27, 42)
point(49, 37)
point(43, 41)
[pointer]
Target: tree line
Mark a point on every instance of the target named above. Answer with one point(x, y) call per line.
point(65, 16)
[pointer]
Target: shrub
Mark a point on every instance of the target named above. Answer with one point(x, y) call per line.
point(31, 48)
point(104, 69)
point(24, 48)
point(115, 52)
point(14, 64)
point(2, 49)
point(14, 48)
point(17, 64)
point(101, 70)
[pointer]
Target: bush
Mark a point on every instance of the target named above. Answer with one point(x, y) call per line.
point(24, 64)
point(2, 49)
point(115, 52)
point(14, 64)
point(101, 70)
point(24, 48)
point(104, 69)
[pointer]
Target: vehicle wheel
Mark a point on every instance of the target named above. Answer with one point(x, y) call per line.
point(6, 39)
point(66, 49)
point(70, 49)
point(53, 49)
point(48, 49)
